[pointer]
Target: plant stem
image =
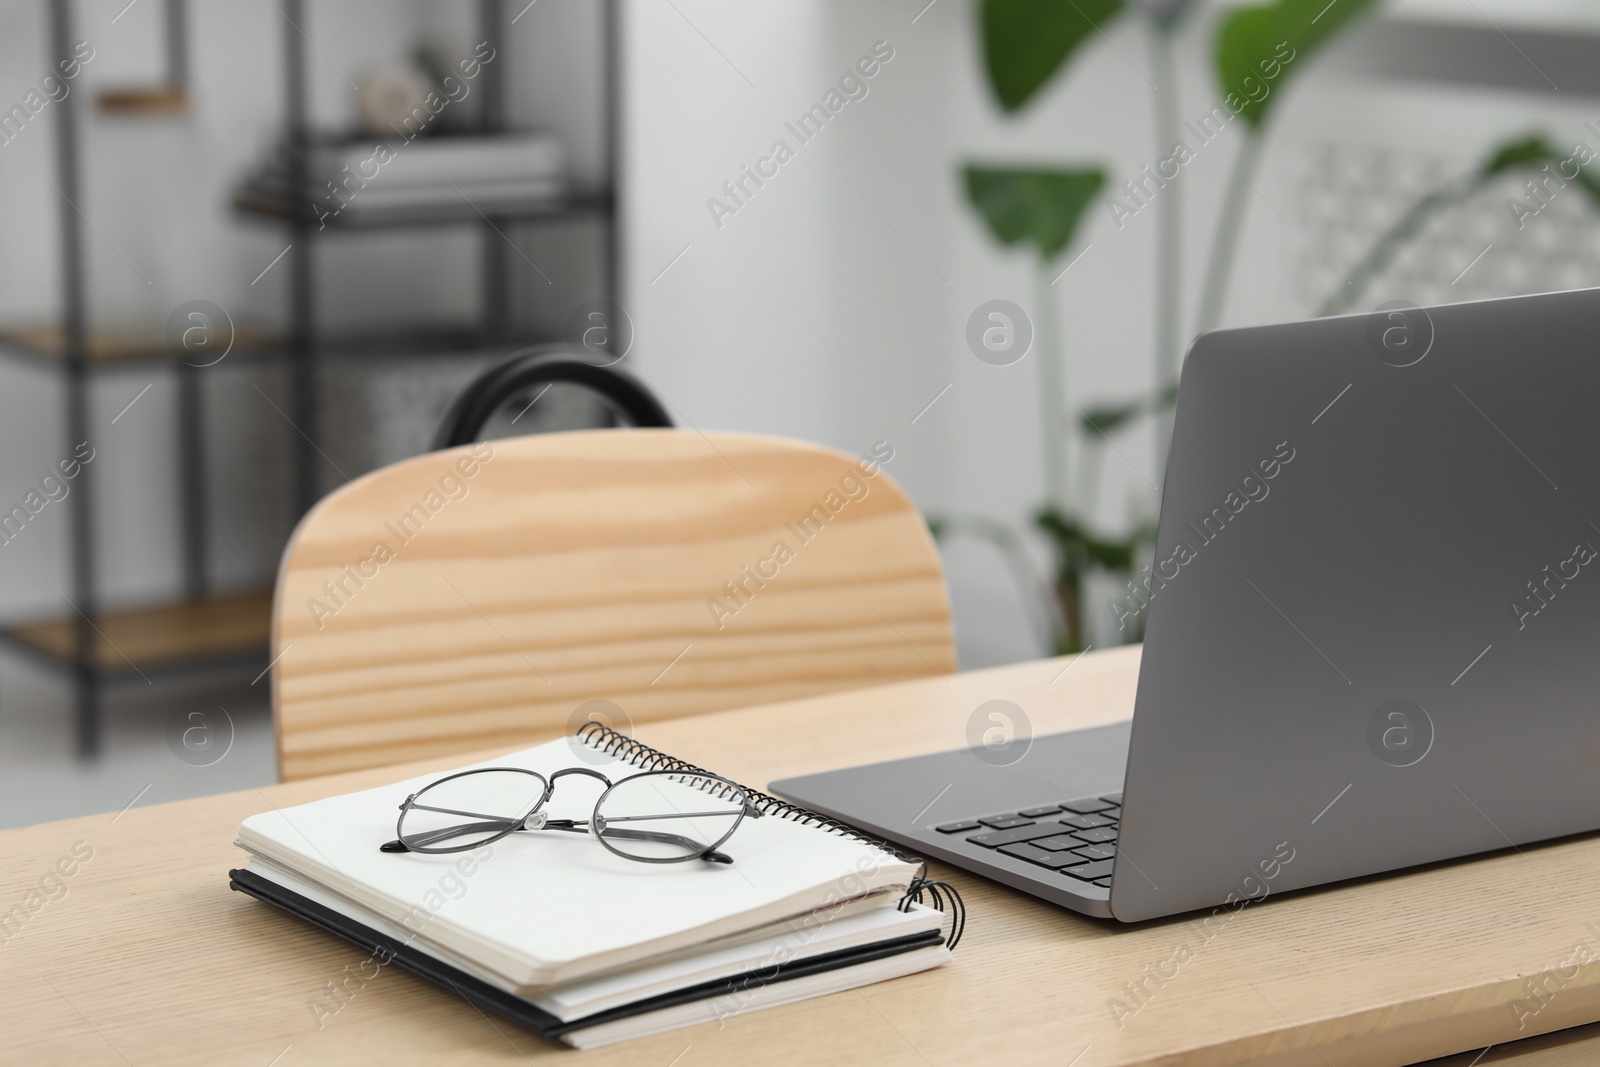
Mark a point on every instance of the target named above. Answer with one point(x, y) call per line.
point(1169, 232)
point(1052, 375)
point(1089, 463)
point(1069, 591)
point(1226, 242)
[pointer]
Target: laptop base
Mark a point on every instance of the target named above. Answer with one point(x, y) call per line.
point(907, 801)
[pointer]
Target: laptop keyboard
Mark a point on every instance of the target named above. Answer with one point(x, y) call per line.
point(1077, 839)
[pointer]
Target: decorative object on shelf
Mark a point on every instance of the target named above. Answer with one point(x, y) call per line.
point(390, 93)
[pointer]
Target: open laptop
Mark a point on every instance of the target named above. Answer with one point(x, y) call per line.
point(1373, 640)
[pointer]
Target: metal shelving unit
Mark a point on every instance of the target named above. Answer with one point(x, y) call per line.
point(93, 647)
point(304, 348)
point(202, 629)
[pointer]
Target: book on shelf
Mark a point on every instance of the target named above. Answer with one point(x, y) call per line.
point(374, 176)
point(438, 160)
point(576, 942)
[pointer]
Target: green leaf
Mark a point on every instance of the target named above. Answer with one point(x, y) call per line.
point(1104, 419)
point(1061, 529)
point(1260, 46)
point(1111, 555)
point(1038, 207)
point(1533, 152)
point(1519, 152)
point(1026, 41)
point(1108, 417)
point(1077, 549)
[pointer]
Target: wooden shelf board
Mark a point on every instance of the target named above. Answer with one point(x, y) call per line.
point(143, 100)
point(422, 342)
point(48, 341)
point(159, 635)
point(579, 203)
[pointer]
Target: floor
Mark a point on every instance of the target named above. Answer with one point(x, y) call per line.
point(166, 741)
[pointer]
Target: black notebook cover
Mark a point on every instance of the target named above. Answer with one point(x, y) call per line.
point(521, 1012)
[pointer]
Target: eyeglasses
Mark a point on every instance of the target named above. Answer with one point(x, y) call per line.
point(690, 814)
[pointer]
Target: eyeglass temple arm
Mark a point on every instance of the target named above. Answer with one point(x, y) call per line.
point(687, 843)
point(569, 825)
point(435, 836)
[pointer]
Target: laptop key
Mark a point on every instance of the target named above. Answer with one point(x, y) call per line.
point(1034, 813)
point(1096, 835)
point(957, 827)
point(1103, 882)
point(1084, 822)
point(1091, 852)
point(996, 838)
point(1057, 843)
point(1004, 822)
point(1087, 806)
point(1113, 798)
point(1091, 871)
point(1040, 856)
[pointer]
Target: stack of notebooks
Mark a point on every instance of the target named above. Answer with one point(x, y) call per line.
point(377, 177)
point(557, 934)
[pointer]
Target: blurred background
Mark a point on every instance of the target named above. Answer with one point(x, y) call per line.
point(987, 237)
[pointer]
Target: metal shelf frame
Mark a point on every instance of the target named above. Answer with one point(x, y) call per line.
point(76, 359)
point(75, 363)
point(302, 346)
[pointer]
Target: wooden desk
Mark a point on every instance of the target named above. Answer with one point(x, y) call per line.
point(148, 958)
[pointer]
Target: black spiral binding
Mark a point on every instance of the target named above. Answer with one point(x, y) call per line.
point(937, 894)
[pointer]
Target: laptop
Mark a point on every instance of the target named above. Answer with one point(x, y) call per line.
point(1372, 636)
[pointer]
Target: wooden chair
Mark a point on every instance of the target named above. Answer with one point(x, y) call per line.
point(480, 595)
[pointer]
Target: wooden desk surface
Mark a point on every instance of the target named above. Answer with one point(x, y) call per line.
point(146, 957)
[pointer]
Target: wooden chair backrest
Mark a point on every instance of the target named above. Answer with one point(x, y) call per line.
point(481, 595)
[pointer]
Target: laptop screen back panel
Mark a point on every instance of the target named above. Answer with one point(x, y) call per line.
point(1374, 634)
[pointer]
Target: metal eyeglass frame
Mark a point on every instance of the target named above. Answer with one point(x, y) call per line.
point(597, 825)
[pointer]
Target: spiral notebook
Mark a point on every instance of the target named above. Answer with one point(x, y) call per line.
point(535, 911)
point(787, 963)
